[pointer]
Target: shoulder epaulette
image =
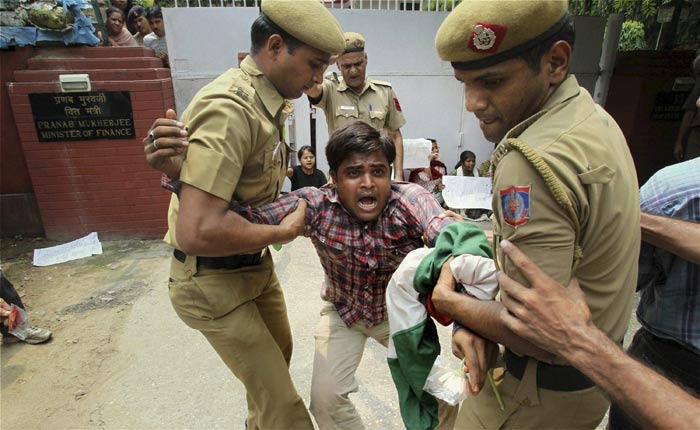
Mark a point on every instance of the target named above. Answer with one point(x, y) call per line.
point(332, 76)
point(243, 87)
point(382, 83)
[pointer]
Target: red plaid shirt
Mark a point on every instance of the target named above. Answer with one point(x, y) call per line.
point(359, 258)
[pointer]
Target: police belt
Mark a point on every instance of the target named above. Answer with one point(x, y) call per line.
point(549, 376)
point(228, 262)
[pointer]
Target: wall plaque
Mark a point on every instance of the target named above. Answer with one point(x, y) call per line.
point(94, 115)
point(668, 106)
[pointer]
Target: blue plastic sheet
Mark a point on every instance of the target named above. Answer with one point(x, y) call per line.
point(82, 32)
point(17, 36)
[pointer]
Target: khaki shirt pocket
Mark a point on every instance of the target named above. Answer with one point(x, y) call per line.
point(378, 118)
point(346, 111)
point(600, 175)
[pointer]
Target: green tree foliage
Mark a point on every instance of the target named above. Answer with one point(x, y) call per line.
point(440, 4)
point(636, 12)
point(635, 9)
point(632, 36)
point(591, 7)
point(632, 9)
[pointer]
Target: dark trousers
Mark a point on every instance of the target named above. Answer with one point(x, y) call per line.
point(8, 294)
point(675, 362)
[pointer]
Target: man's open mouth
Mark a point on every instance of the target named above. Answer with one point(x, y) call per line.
point(367, 203)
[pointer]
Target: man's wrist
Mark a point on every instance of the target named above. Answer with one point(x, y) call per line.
point(583, 344)
point(443, 298)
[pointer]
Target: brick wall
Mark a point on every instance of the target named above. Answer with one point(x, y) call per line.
point(96, 185)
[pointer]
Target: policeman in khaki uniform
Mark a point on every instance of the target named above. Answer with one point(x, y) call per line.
point(565, 192)
point(355, 97)
point(222, 280)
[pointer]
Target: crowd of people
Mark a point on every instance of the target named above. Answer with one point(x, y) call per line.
point(570, 240)
point(568, 226)
point(561, 172)
point(128, 25)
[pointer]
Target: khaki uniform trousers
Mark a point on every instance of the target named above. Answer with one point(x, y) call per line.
point(529, 407)
point(339, 350)
point(242, 313)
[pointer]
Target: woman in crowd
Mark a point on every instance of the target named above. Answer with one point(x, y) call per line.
point(465, 167)
point(125, 6)
point(467, 162)
point(116, 32)
point(306, 174)
point(431, 177)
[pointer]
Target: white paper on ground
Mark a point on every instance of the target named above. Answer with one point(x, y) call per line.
point(79, 248)
point(467, 192)
point(416, 153)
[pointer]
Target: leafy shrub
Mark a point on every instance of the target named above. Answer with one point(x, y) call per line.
point(632, 36)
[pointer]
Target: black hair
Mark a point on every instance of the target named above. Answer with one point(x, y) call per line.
point(566, 33)
point(463, 157)
point(113, 9)
point(305, 148)
point(154, 12)
point(263, 28)
point(129, 5)
point(358, 137)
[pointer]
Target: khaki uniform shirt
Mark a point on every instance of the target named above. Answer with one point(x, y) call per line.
point(138, 38)
point(589, 157)
point(237, 150)
point(375, 105)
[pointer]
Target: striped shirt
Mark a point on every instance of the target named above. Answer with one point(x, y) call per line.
point(670, 286)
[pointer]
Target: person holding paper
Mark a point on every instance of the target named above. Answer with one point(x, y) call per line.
point(430, 177)
point(465, 167)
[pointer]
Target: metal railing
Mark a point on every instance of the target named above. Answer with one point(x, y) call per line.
point(399, 5)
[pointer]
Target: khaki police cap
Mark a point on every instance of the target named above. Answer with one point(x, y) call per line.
point(481, 33)
point(354, 42)
point(307, 20)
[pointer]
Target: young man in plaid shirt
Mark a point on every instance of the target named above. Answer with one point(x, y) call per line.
point(362, 227)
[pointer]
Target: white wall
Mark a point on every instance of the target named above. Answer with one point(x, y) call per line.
point(400, 49)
